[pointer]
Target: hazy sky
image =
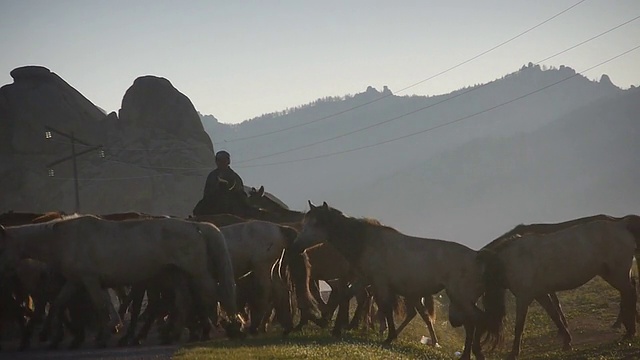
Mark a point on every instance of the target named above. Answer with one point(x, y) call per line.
point(240, 59)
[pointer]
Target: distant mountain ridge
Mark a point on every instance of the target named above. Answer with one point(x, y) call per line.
point(405, 183)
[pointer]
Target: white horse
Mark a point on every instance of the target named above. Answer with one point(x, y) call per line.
point(97, 253)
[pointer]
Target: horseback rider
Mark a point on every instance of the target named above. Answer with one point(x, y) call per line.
point(223, 171)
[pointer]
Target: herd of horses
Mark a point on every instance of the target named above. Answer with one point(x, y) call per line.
point(244, 261)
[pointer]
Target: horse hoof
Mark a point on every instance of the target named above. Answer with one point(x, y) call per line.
point(336, 333)
point(567, 347)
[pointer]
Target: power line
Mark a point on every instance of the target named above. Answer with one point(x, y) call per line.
point(115, 178)
point(410, 86)
point(142, 149)
point(428, 106)
point(446, 123)
point(111, 159)
point(158, 167)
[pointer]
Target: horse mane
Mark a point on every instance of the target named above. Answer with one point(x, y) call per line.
point(350, 242)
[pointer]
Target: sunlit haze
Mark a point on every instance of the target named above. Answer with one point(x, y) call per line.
point(238, 60)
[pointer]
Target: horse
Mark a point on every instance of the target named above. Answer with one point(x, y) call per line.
point(395, 263)
point(254, 246)
point(265, 200)
point(170, 283)
point(327, 265)
point(534, 265)
point(546, 228)
point(96, 253)
point(37, 281)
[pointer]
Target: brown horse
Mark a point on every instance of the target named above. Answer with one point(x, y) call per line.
point(254, 246)
point(92, 252)
point(247, 240)
point(265, 200)
point(547, 228)
point(394, 263)
point(535, 265)
point(327, 265)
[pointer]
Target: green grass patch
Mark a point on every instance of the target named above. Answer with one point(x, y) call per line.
point(590, 311)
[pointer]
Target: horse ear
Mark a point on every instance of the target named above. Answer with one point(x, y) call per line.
point(261, 190)
point(311, 207)
point(325, 206)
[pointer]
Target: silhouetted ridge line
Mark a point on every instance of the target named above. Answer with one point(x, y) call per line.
point(443, 124)
point(410, 86)
point(429, 106)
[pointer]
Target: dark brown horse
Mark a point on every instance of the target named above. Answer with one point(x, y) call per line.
point(398, 264)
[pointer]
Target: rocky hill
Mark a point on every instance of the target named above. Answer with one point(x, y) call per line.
point(157, 153)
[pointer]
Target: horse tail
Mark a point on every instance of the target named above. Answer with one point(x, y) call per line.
point(429, 305)
point(494, 304)
point(220, 266)
point(300, 271)
point(632, 223)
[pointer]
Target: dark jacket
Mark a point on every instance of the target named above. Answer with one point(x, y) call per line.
point(226, 174)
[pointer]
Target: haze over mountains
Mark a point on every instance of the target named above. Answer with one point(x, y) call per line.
point(567, 151)
point(561, 153)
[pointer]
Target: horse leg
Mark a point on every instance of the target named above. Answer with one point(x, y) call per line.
point(135, 298)
point(626, 286)
point(469, 331)
point(55, 312)
point(427, 313)
point(556, 303)
point(522, 306)
point(98, 299)
point(124, 299)
point(77, 322)
point(306, 315)
point(479, 330)
point(342, 299)
point(361, 299)
point(153, 313)
point(260, 298)
point(36, 318)
point(332, 303)
point(282, 303)
point(552, 309)
point(114, 317)
point(411, 313)
point(178, 315)
point(385, 305)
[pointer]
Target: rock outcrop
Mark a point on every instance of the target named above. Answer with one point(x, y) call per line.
point(157, 154)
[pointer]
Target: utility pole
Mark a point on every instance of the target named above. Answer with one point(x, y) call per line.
point(49, 134)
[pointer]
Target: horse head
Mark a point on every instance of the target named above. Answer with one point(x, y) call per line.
point(314, 230)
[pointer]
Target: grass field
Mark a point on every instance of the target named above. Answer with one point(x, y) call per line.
point(590, 311)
